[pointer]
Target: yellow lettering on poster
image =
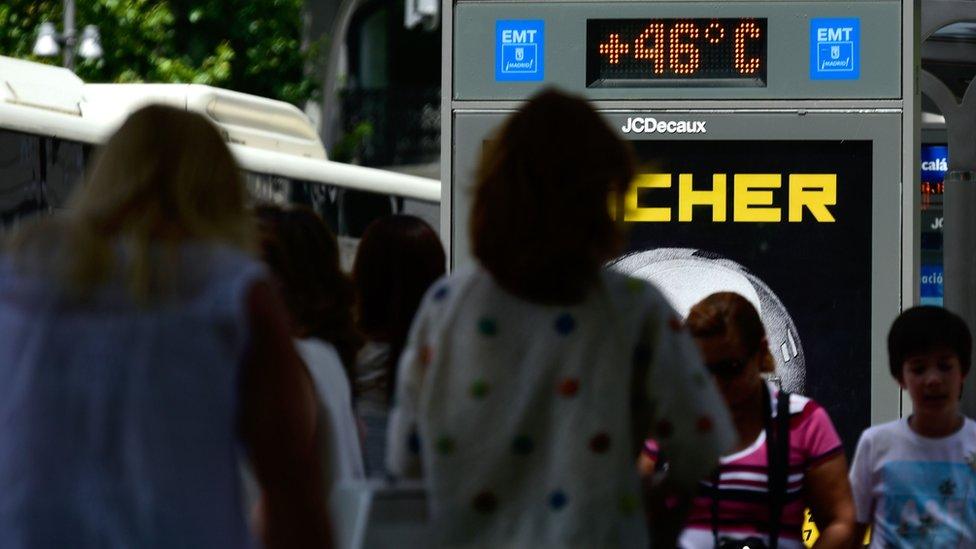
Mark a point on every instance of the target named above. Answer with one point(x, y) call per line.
point(814, 192)
point(634, 212)
point(750, 194)
point(688, 197)
point(810, 534)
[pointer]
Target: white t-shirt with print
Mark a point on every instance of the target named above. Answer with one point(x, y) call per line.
point(526, 419)
point(916, 491)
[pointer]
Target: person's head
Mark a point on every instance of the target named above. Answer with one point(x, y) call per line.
point(398, 258)
point(304, 256)
point(164, 177)
point(732, 340)
point(166, 174)
point(929, 353)
point(540, 222)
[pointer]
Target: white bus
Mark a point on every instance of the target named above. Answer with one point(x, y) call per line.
point(51, 121)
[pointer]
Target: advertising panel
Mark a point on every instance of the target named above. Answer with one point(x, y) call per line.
point(785, 223)
point(934, 165)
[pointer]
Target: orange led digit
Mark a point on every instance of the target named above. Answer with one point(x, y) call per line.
point(689, 52)
point(685, 57)
point(654, 32)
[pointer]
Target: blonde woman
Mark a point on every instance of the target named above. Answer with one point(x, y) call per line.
point(136, 335)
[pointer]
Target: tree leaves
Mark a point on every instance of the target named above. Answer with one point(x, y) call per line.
point(252, 46)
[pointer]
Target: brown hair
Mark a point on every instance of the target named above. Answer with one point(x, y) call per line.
point(399, 257)
point(304, 256)
point(733, 317)
point(541, 223)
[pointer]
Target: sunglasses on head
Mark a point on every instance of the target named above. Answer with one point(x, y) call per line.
point(729, 367)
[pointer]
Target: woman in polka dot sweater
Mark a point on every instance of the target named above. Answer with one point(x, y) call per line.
point(531, 377)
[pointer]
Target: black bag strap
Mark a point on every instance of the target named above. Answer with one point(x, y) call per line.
point(778, 459)
point(716, 476)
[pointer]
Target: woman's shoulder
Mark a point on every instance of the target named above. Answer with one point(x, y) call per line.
point(449, 287)
point(805, 412)
point(324, 365)
point(628, 292)
point(804, 409)
point(316, 349)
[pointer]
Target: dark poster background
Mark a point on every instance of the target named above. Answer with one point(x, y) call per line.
point(820, 271)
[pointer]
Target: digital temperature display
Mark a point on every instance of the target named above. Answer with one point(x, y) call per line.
point(631, 53)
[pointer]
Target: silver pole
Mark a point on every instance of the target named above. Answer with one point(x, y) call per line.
point(331, 109)
point(69, 34)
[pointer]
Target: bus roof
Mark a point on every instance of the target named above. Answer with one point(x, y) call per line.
point(244, 119)
point(265, 135)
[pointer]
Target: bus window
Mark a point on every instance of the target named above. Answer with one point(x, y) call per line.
point(320, 197)
point(357, 209)
point(268, 188)
point(428, 211)
point(21, 186)
point(64, 167)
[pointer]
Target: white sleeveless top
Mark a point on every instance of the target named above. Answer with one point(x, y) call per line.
point(118, 424)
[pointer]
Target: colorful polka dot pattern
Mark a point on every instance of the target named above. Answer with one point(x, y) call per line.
point(487, 326)
point(479, 389)
point(568, 387)
point(558, 500)
point(565, 324)
point(522, 445)
point(600, 443)
point(445, 445)
point(629, 504)
point(485, 503)
point(440, 293)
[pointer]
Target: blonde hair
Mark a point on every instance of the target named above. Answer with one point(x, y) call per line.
point(164, 178)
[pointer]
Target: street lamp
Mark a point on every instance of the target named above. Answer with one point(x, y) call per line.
point(48, 42)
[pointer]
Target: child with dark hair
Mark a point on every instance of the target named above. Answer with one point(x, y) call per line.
point(914, 479)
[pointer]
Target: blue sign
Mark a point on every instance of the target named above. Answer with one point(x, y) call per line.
point(935, 163)
point(835, 49)
point(932, 287)
point(519, 50)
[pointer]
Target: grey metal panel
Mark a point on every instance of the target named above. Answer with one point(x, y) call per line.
point(447, 126)
point(472, 129)
point(787, 59)
point(873, 105)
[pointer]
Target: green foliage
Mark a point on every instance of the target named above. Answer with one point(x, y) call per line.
point(252, 46)
point(350, 146)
